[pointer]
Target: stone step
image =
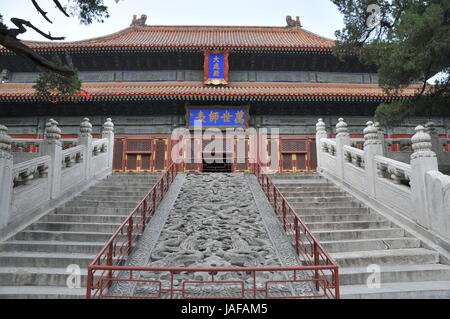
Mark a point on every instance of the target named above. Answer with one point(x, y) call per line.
point(100, 204)
point(38, 259)
point(318, 199)
point(348, 225)
point(322, 205)
point(34, 276)
point(301, 194)
point(131, 180)
point(296, 175)
point(127, 185)
point(407, 290)
point(370, 244)
point(118, 189)
point(81, 218)
point(107, 192)
point(94, 211)
point(392, 257)
point(109, 198)
point(332, 211)
point(62, 236)
point(52, 246)
point(327, 188)
point(133, 177)
point(340, 218)
point(82, 227)
point(136, 175)
point(335, 235)
point(396, 274)
point(289, 179)
point(303, 184)
point(41, 292)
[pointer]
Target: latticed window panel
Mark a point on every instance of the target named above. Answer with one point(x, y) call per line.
point(160, 154)
point(293, 146)
point(146, 162)
point(300, 162)
point(131, 162)
point(242, 160)
point(312, 155)
point(118, 155)
point(139, 146)
point(287, 160)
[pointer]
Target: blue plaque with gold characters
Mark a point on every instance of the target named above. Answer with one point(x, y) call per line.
point(220, 117)
point(216, 67)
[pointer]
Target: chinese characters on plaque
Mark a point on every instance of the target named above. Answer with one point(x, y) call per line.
point(216, 68)
point(233, 117)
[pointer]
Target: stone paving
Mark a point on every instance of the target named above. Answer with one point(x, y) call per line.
point(215, 222)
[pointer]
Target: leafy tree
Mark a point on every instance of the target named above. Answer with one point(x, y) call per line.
point(58, 75)
point(50, 83)
point(409, 43)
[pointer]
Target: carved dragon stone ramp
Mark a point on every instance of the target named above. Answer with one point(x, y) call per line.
point(215, 222)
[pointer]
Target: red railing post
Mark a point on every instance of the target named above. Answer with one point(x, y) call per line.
point(297, 236)
point(154, 200)
point(337, 292)
point(275, 201)
point(109, 261)
point(284, 217)
point(316, 263)
point(130, 235)
point(144, 215)
point(89, 283)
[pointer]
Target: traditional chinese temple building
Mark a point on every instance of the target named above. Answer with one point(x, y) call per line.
point(153, 79)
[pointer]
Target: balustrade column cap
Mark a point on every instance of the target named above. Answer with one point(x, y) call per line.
point(5, 139)
point(341, 127)
point(52, 131)
point(421, 143)
point(371, 134)
point(108, 126)
point(86, 127)
point(321, 126)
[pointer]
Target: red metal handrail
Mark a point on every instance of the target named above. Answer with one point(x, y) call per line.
point(308, 248)
point(324, 270)
point(122, 242)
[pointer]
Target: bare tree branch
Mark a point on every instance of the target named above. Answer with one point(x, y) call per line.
point(20, 24)
point(13, 44)
point(61, 8)
point(38, 8)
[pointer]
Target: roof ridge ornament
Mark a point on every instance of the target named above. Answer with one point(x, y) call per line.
point(293, 23)
point(139, 21)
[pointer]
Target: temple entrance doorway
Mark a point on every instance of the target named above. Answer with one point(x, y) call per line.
point(217, 163)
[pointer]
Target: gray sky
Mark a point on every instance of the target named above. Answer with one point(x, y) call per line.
point(318, 16)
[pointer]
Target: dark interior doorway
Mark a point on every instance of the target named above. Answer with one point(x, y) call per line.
point(217, 163)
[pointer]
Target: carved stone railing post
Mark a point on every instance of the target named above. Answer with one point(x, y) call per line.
point(108, 133)
point(321, 132)
point(436, 145)
point(372, 147)
point(342, 139)
point(6, 175)
point(381, 138)
point(85, 138)
point(51, 146)
point(423, 160)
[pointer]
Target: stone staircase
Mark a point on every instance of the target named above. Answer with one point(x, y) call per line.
point(33, 263)
point(356, 237)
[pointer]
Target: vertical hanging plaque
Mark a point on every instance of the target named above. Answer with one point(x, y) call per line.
point(216, 67)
